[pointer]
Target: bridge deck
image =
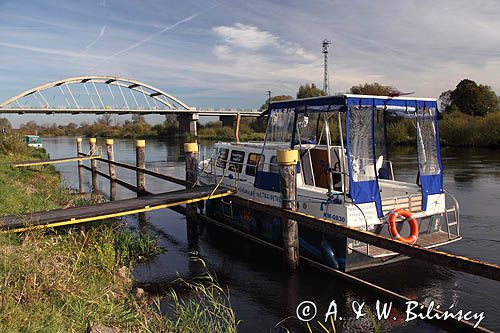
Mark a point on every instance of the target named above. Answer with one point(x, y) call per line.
point(59, 217)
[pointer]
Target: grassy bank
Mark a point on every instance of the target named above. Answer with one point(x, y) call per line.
point(70, 279)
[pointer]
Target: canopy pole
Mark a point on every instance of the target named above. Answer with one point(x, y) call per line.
point(328, 147)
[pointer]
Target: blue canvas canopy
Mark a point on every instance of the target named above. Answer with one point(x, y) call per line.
point(359, 113)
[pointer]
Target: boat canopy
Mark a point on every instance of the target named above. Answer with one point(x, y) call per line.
point(365, 118)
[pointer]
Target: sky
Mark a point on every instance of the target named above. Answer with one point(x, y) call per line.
point(229, 53)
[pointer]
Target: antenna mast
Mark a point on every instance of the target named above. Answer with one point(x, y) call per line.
point(326, 84)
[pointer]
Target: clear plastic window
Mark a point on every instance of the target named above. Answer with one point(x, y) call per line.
point(426, 142)
point(361, 143)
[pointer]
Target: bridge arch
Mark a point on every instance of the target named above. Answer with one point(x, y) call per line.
point(169, 101)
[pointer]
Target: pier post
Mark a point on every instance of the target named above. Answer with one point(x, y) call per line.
point(80, 165)
point(140, 162)
point(287, 160)
point(93, 164)
point(112, 171)
point(191, 150)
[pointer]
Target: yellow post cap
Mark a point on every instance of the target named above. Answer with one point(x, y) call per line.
point(109, 142)
point(92, 140)
point(288, 156)
point(78, 139)
point(140, 143)
point(191, 147)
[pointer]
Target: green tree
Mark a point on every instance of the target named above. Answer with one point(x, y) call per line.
point(474, 99)
point(372, 89)
point(311, 90)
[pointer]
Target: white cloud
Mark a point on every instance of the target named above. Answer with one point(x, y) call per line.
point(246, 36)
point(240, 39)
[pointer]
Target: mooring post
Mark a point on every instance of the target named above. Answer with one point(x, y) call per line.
point(93, 164)
point(191, 150)
point(112, 172)
point(140, 162)
point(80, 165)
point(287, 160)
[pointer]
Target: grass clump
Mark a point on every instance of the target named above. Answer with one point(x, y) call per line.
point(130, 246)
point(206, 308)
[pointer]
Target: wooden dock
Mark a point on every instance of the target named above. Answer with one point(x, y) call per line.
point(102, 211)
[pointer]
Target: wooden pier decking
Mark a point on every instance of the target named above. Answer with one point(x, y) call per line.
point(60, 217)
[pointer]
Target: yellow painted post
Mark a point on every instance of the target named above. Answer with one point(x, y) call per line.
point(93, 164)
point(140, 162)
point(80, 165)
point(191, 150)
point(287, 160)
point(112, 171)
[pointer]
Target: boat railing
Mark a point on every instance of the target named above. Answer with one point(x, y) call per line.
point(455, 214)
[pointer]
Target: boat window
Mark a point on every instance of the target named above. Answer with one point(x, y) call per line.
point(280, 126)
point(308, 128)
point(252, 162)
point(427, 143)
point(222, 158)
point(273, 165)
point(361, 139)
point(236, 161)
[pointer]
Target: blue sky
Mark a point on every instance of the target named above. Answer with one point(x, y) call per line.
point(228, 53)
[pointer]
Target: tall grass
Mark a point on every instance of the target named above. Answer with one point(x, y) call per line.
point(206, 308)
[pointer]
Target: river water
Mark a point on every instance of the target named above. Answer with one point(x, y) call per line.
point(262, 292)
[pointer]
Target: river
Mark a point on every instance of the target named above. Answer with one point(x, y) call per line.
point(262, 292)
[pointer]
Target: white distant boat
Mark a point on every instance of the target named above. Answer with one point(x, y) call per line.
point(343, 175)
point(33, 141)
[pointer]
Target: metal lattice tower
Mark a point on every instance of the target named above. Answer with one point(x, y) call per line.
point(326, 85)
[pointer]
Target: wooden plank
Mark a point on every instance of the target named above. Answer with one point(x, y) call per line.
point(111, 209)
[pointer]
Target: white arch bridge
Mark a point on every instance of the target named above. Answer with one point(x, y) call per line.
point(112, 95)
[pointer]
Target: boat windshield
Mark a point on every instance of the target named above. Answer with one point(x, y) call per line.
point(280, 125)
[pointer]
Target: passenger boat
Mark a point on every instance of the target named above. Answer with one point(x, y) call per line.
point(343, 175)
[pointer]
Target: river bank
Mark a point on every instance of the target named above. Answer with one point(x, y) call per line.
point(73, 279)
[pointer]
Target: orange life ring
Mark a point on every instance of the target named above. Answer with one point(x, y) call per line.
point(411, 220)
